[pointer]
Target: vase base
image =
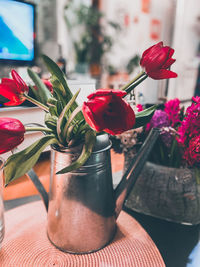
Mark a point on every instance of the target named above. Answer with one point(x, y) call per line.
point(83, 252)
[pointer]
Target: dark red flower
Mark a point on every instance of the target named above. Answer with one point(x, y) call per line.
point(192, 153)
point(106, 111)
point(190, 126)
point(13, 89)
point(196, 99)
point(156, 60)
point(172, 108)
point(11, 134)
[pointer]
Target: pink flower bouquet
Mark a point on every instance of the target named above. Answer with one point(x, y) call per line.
point(179, 143)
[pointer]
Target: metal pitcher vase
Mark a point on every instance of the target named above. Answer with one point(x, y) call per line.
point(83, 206)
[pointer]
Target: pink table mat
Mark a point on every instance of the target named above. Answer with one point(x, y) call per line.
point(26, 244)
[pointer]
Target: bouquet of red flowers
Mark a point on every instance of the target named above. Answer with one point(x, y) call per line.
point(67, 124)
point(179, 142)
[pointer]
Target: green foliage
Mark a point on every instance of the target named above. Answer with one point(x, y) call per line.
point(90, 138)
point(166, 156)
point(65, 122)
point(60, 85)
point(91, 41)
point(41, 92)
point(20, 163)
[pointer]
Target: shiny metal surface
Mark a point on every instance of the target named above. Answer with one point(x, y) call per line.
point(81, 214)
point(83, 207)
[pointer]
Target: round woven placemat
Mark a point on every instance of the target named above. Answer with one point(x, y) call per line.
point(26, 244)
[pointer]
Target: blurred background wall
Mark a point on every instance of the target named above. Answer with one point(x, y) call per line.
point(143, 23)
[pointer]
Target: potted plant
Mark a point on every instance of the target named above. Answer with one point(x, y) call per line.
point(169, 185)
point(90, 39)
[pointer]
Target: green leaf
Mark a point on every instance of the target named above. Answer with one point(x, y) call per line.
point(52, 101)
point(42, 93)
point(75, 131)
point(57, 72)
point(53, 111)
point(90, 138)
point(58, 91)
point(52, 104)
point(143, 117)
point(35, 93)
point(71, 119)
point(80, 127)
point(51, 121)
point(63, 115)
point(20, 163)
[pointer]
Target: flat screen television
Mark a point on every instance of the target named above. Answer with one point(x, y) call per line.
point(17, 32)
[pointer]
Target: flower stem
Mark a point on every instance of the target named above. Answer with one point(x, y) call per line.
point(41, 129)
point(133, 81)
point(37, 103)
point(138, 81)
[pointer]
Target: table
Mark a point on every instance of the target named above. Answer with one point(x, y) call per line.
point(26, 243)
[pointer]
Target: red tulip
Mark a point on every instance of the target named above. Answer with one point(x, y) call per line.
point(106, 111)
point(13, 89)
point(156, 60)
point(11, 134)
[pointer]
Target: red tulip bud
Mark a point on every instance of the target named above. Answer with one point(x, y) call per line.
point(11, 134)
point(156, 60)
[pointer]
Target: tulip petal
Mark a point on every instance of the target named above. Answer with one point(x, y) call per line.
point(107, 111)
point(106, 92)
point(127, 119)
point(162, 74)
point(11, 85)
point(160, 44)
point(13, 89)
point(171, 52)
point(8, 143)
point(91, 119)
point(150, 59)
point(156, 60)
point(8, 93)
point(19, 81)
point(11, 132)
point(8, 82)
point(168, 63)
point(11, 125)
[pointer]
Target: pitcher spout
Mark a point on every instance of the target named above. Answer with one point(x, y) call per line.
point(130, 176)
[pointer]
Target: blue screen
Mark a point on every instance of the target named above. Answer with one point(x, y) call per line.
point(16, 31)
